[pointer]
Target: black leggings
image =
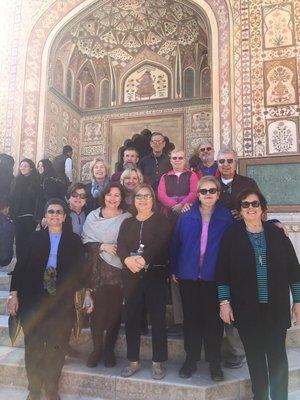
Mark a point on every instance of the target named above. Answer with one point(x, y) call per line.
point(266, 357)
point(201, 321)
point(106, 317)
point(151, 284)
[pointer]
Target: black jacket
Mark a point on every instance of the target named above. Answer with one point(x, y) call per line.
point(28, 274)
point(236, 267)
point(229, 192)
point(7, 232)
point(154, 167)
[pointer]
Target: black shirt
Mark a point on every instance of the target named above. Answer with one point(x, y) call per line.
point(154, 167)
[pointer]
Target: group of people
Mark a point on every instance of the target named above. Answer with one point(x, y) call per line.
point(198, 226)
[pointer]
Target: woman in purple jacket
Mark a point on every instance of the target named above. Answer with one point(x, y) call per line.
point(194, 250)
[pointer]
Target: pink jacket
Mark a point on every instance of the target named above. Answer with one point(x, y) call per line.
point(170, 188)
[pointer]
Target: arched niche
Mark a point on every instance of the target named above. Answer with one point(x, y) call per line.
point(104, 97)
point(148, 81)
point(89, 96)
point(78, 93)
point(70, 84)
point(43, 33)
point(189, 83)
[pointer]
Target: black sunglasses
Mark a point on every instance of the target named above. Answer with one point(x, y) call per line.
point(223, 160)
point(177, 158)
point(205, 148)
point(56, 212)
point(206, 191)
point(79, 195)
point(247, 204)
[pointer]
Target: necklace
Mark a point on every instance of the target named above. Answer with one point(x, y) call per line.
point(258, 239)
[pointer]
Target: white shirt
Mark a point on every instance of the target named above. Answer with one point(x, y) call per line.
point(69, 169)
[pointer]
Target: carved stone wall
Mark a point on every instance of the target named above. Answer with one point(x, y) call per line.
point(258, 84)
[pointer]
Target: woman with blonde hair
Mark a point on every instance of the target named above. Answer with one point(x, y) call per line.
point(99, 171)
point(130, 179)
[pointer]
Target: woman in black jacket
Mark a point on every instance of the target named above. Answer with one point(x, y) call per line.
point(47, 274)
point(50, 185)
point(25, 192)
point(257, 267)
point(143, 249)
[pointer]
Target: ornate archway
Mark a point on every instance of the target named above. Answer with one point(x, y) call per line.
point(57, 15)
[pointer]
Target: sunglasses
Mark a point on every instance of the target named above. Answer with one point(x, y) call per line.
point(205, 148)
point(56, 212)
point(247, 204)
point(79, 195)
point(177, 158)
point(206, 191)
point(223, 160)
point(157, 141)
point(143, 196)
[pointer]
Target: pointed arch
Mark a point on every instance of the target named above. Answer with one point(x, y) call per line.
point(70, 84)
point(189, 83)
point(89, 96)
point(104, 98)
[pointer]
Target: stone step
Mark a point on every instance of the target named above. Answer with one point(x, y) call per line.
point(19, 393)
point(101, 382)
point(84, 343)
point(4, 280)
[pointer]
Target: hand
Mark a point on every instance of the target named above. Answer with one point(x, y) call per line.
point(226, 313)
point(283, 227)
point(13, 304)
point(174, 279)
point(186, 207)
point(236, 214)
point(88, 304)
point(109, 248)
point(135, 263)
point(296, 313)
point(177, 208)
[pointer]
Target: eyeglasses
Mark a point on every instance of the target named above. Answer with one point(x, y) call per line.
point(206, 191)
point(247, 204)
point(143, 196)
point(177, 158)
point(223, 160)
point(157, 141)
point(205, 148)
point(79, 195)
point(56, 212)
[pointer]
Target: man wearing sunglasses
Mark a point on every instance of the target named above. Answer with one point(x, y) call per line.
point(231, 182)
point(203, 162)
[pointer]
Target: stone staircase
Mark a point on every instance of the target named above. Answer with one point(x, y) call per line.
point(80, 382)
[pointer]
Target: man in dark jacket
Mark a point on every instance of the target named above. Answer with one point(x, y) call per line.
point(231, 182)
point(130, 160)
point(157, 163)
point(6, 233)
point(63, 165)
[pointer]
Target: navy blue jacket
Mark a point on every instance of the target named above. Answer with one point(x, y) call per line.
point(185, 245)
point(6, 240)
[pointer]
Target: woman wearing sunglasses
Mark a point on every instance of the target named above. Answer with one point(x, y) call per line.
point(46, 276)
point(194, 249)
point(178, 186)
point(257, 266)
